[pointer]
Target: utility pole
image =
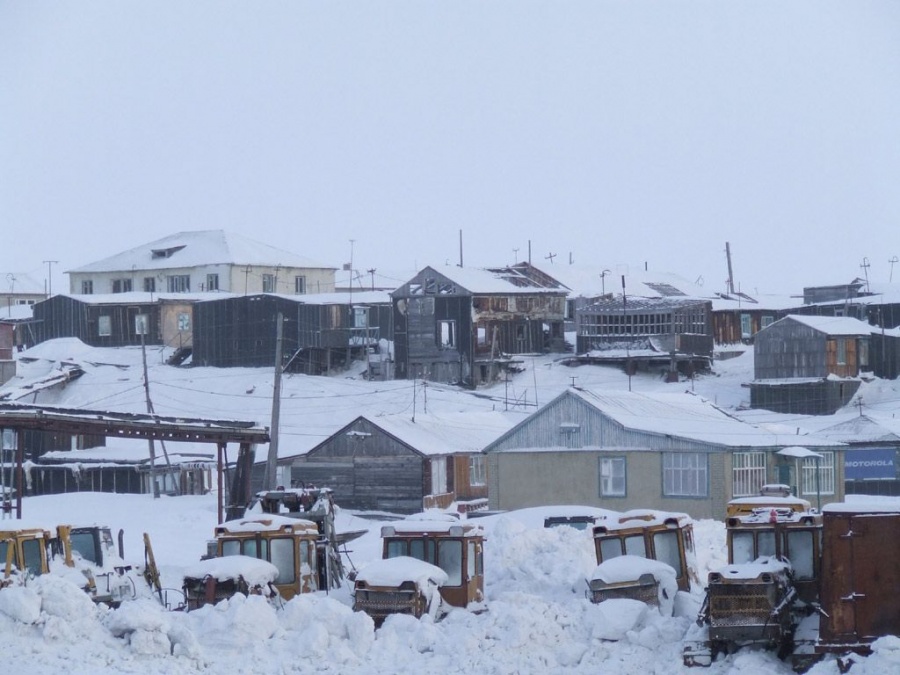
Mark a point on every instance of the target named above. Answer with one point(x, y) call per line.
point(372, 273)
point(50, 264)
point(460, 249)
point(730, 271)
point(142, 324)
point(624, 325)
point(272, 459)
point(865, 266)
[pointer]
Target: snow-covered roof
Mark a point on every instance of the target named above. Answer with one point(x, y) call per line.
point(866, 428)
point(197, 248)
point(20, 283)
point(15, 313)
point(343, 298)
point(436, 434)
point(865, 505)
point(831, 325)
point(452, 527)
point(141, 298)
point(681, 415)
point(477, 280)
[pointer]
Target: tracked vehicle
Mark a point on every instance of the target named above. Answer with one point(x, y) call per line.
point(769, 586)
point(430, 563)
point(659, 537)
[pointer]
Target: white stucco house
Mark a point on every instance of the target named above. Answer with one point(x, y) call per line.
point(202, 261)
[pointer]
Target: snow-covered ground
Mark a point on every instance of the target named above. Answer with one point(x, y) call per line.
point(538, 620)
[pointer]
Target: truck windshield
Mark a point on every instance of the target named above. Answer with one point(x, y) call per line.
point(282, 551)
point(665, 545)
point(32, 551)
point(83, 544)
point(450, 560)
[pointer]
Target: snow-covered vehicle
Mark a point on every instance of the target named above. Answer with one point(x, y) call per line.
point(769, 586)
point(635, 578)
point(214, 579)
point(400, 585)
point(315, 505)
point(453, 551)
point(23, 552)
point(90, 550)
point(288, 544)
point(656, 536)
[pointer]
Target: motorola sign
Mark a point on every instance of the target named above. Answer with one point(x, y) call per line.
point(874, 463)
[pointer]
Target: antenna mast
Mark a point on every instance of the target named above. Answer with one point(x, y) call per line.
point(730, 272)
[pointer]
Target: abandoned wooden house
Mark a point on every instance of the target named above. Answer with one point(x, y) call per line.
point(319, 332)
point(738, 317)
point(402, 464)
point(642, 333)
point(810, 364)
point(465, 325)
point(118, 319)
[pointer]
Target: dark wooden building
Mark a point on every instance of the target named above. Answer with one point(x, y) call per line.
point(738, 317)
point(319, 332)
point(809, 364)
point(397, 464)
point(667, 325)
point(461, 325)
point(115, 320)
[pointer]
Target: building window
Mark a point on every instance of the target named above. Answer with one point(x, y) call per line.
point(863, 352)
point(360, 317)
point(824, 484)
point(438, 475)
point(184, 321)
point(212, 282)
point(178, 283)
point(121, 285)
point(612, 477)
point(447, 334)
point(841, 352)
point(477, 471)
point(746, 326)
point(767, 320)
point(141, 322)
point(570, 434)
point(149, 284)
point(268, 281)
point(104, 325)
point(87, 287)
point(685, 474)
point(300, 285)
point(749, 473)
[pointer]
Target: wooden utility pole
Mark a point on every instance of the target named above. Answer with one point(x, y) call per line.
point(272, 459)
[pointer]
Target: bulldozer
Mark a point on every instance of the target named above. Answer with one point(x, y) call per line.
point(287, 544)
point(429, 564)
point(23, 553)
point(770, 585)
point(654, 546)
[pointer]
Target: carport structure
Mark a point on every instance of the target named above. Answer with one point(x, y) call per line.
point(19, 418)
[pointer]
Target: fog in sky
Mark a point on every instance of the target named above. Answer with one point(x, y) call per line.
point(606, 132)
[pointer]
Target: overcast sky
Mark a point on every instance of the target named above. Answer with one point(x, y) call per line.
point(619, 132)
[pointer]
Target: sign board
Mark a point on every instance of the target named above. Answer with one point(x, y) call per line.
point(870, 464)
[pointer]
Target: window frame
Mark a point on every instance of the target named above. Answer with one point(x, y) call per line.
point(827, 474)
point(609, 480)
point(754, 464)
point(682, 480)
point(477, 470)
point(104, 325)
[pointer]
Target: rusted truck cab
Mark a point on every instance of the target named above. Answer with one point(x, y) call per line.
point(287, 543)
point(446, 544)
point(25, 551)
point(662, 536)
point(771, 583)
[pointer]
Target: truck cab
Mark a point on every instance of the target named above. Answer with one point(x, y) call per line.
point(454, 547)
point(657, 535)
point(287, 543)
point(25, 551)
